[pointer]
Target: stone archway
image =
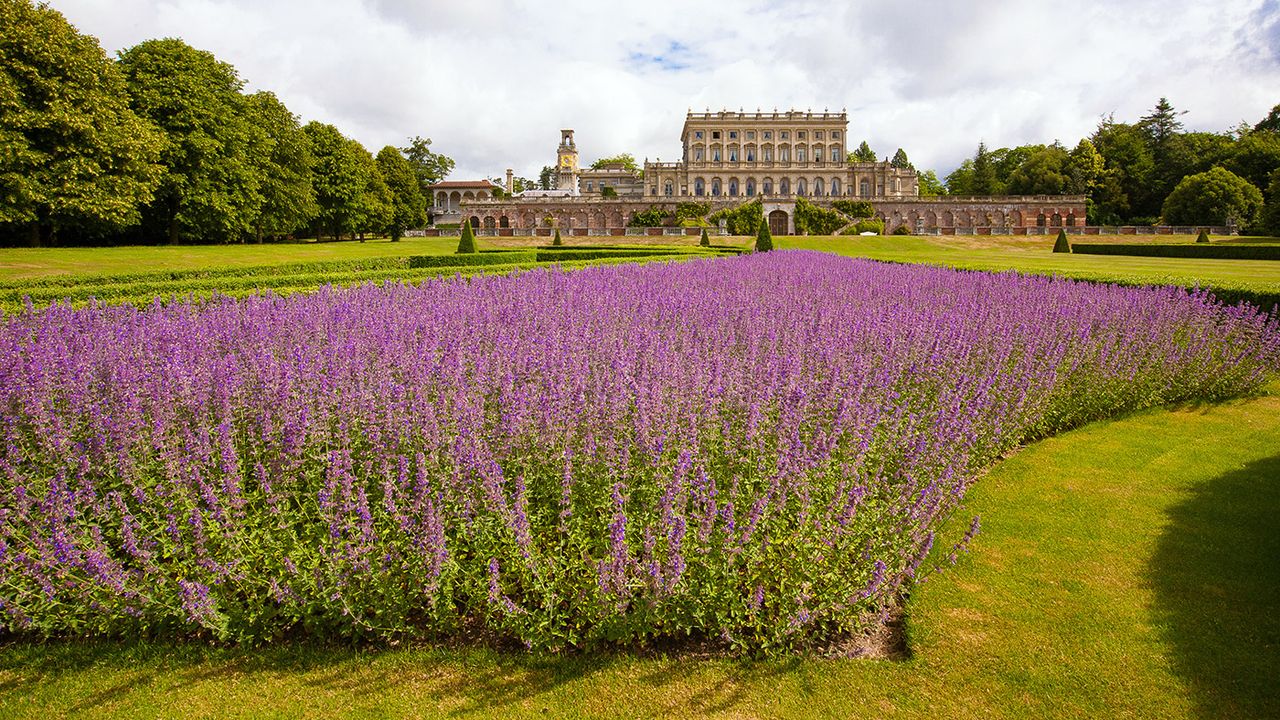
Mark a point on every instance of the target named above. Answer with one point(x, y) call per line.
point(504, 222)
point(778, 222)
point(489, 223)
point(475, 222)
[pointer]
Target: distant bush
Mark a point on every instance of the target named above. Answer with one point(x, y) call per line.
point(1216, 197)
point(1203, 237)
point(608, 192)
point(814, 220)
point(868, 225)
point(557, 240)
point(854, 208)
point(687, 211)
point(742, 220)
point(704, 241)
point(902, 230)
point(653, 217)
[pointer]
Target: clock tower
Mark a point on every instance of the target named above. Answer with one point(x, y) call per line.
point(567, 163)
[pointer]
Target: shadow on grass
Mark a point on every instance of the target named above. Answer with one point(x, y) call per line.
point(457, 680)
point(1216, 573)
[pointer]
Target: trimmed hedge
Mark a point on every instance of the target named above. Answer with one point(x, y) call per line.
point(471, 259)
point(1199, 250)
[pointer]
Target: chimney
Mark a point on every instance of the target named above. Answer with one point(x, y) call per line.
point(510, 183)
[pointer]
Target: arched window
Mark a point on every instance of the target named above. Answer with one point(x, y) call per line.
point(799, 153)
point(817, 186)
point(733, 187)
point(835, 186)
point(784, 153)
point(767, 186)
point(503, 222)
point(698, 153)
point(784, 187)
point(801, 188)
point(751, 191)
point(733, 153)
point(715, 187)
point(699, 187)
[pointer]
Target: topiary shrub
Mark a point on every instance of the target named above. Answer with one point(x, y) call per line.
point(704, 241)
point(871, 225)
point(764, 239)
point(467, 243)
point(1062, 245)
point(557, 240)
point(1203, 237)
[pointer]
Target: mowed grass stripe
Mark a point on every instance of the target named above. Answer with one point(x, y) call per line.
point(1125, 569)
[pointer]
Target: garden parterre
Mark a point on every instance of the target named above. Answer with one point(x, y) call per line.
point(756, 451)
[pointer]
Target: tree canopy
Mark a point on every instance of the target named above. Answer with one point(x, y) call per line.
point(429, 167)
point(1215, 197)
point(864, 153)
point(73, 154)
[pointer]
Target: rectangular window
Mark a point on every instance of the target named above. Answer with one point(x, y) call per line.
point(835, 154)
point(733, 134)
point(800, 135)
point(751, 134)
point(589, 186)
point(768, 134)
point(817, 134)
point(715, 155)
point(697, 155)
point(715, 134)
point(835, 134)
point(785, 135)
point(697, 134)
point(733, 156)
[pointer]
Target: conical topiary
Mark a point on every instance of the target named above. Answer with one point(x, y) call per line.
point(704, 241)
point(1061, 245)
point(1203, 237)
point(764, 239)
point(467, 244)
point(556, 240)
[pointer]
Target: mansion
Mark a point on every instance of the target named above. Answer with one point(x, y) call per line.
point(729, 158)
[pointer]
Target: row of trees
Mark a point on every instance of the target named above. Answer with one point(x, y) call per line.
point(1145, 172)
point(162, 144)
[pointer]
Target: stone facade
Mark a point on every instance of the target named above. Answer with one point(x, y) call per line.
point(729, 158)
point(779, 154)
point(929, 215)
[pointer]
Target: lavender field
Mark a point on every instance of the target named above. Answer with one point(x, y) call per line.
point(757, 451)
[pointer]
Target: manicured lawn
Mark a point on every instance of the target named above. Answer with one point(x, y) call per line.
point(1127, 569)
point(16, 263)
point(1033, 255)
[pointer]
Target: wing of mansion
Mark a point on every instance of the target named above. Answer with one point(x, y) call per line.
point(729, 158)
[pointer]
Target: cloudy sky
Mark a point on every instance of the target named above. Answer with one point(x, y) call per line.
point(491, 82)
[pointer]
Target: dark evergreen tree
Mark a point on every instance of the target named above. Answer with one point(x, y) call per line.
point(1062, 245)
point(900, 160)
point(704, 241)
point(764, 239)
point(1203, 237)
point(467, 243)
point(556, 240)
point(984, 172)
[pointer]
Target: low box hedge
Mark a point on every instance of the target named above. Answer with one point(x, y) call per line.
point(1198, 250)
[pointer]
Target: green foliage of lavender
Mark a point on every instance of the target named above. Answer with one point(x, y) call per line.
point(754, 450)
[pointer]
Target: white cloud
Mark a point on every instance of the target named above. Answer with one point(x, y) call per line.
point(493, 81)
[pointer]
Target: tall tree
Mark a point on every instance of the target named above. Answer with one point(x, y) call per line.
point(341, 178)
point(375, 206)
point(408, 206)
point(1255, 157)
point(547, 177)
point(1084, 168)
point(960, 181)
point(864, 153)
point(984, 173)
point(1216, 197)
point(930, 186)
point(1043, 173)
point(1131, 165)
point(627, 159)
point(1271, 211)
point(900, 160)
point(1271, 121)
point(285, 165)
point(73, 155)
point(430, 167)
point(210, 188)
point(1161, 124)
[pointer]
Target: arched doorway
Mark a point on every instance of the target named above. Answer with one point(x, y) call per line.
point(503, 222)
point(475, 222)
point(778, 222)
point(488, 222)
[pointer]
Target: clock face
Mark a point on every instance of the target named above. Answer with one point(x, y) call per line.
point(566, 162)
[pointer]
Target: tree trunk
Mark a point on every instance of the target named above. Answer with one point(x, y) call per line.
point(33, 236)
